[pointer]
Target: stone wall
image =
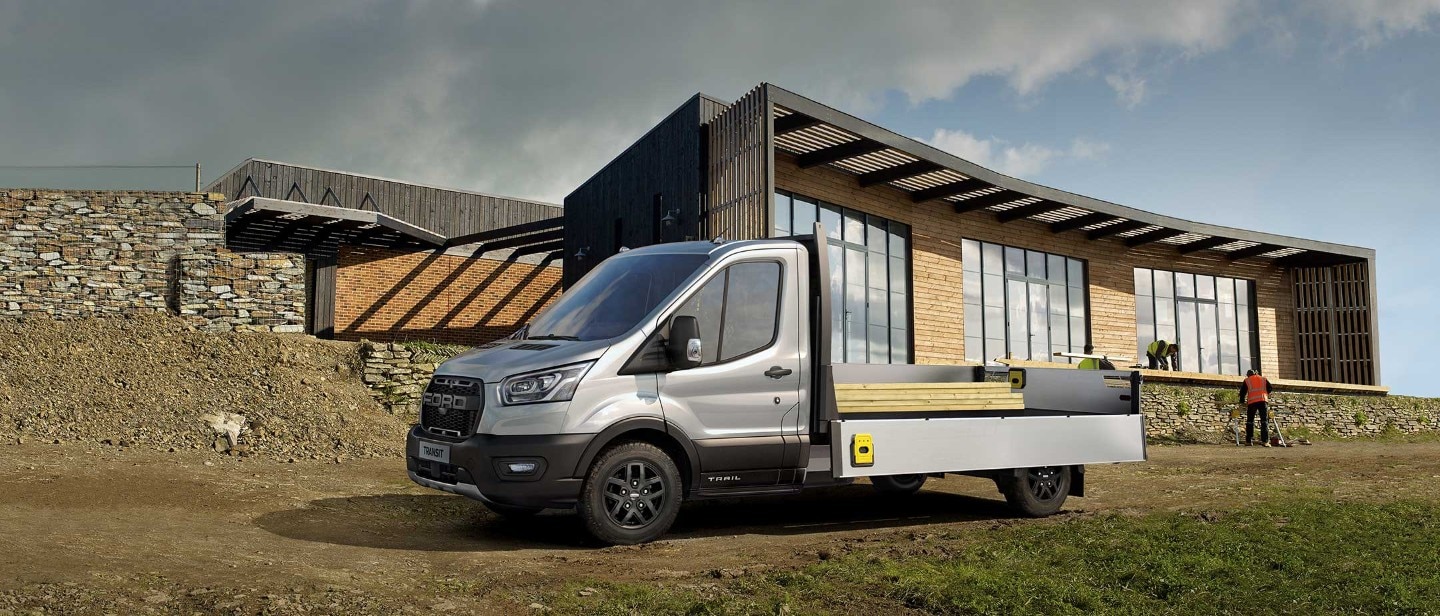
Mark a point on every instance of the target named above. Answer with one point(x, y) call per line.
point(1202, 413)
point(70, 254)
point(397, 374)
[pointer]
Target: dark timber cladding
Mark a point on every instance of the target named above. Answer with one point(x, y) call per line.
point(445, 211)
point(658, 175)
point(742, 166)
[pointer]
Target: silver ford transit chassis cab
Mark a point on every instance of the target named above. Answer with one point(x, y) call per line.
point(703, 369)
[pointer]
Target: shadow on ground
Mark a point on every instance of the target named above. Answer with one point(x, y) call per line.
point(454, 524)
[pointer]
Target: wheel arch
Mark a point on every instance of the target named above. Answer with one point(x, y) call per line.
point(655, 431)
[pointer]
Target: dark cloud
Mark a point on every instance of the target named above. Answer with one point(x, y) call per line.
point(524, 98)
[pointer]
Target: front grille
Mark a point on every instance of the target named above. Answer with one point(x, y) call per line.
point(451, 406)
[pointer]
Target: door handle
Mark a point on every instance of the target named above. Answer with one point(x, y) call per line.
point(776, 372)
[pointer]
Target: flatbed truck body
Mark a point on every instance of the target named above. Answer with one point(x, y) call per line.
point(703, 369)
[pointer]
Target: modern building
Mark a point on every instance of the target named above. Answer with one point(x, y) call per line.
point(939, 260)
point(389, 260)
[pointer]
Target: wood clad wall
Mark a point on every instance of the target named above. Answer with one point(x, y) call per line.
point(1332, 322)
point(447, 212)
point(936, 294)
point(666, 163)
point(741, 163)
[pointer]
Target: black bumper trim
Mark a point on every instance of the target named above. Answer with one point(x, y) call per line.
point(472, 471)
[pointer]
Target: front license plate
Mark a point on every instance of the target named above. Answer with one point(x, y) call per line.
point(435, 452)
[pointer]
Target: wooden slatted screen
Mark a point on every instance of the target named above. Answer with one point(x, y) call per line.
point(1332, 324)
point(737, 203)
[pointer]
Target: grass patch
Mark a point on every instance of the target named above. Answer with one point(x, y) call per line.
point(1300, 556)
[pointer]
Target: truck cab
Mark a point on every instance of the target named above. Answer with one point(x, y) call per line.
point(702, 369)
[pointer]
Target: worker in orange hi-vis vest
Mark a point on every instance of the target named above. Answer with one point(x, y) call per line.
point(1255, 392)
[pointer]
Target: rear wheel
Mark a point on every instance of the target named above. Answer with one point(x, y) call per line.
point(631, 494)
point(898, 484)
point(512, 512)
point(1036, 492)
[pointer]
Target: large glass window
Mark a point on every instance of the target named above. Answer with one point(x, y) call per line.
point(869, 278)
point(1021, 303)
point(1210, 317)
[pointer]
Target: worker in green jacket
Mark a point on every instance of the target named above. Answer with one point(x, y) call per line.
point(1094, 363)
point(1163, 355)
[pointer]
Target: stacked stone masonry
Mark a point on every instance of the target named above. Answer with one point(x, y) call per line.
point(1203, 413)
point(70, 254)
point(396, 375)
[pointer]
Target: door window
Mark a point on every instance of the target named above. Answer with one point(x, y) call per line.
point(737, 311)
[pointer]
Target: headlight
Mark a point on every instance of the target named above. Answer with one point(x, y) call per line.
point(552, 385)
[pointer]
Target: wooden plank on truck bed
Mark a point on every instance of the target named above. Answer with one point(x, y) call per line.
point(926, 397)
point(903, 407)
point(859, 396)
point(905, 386)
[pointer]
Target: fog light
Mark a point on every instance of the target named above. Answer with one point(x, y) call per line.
point(520, 468)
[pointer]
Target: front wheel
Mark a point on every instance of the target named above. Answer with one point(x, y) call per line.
point(631, 494)
point(1036, 492)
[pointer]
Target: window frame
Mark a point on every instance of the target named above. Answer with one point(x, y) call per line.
point(1173, 305)
point(1024, 279)
point(725, 308)
point(844, 244)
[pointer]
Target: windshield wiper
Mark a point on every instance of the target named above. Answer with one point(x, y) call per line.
point(554, 337)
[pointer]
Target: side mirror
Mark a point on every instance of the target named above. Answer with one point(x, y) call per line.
point(682, 348)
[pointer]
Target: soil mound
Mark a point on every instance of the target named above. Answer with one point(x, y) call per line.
point(154, 381)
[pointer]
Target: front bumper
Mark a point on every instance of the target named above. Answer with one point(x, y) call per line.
point(476, 463)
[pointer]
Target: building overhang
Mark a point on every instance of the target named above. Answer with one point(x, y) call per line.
point(259, 224)
point(818, 135)
point(273, 225)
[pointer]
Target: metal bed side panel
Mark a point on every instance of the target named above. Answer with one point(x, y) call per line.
point(904, 446)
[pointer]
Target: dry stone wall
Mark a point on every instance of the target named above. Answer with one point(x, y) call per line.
point(397, 374)
point(70, 254)
point(1203, 413)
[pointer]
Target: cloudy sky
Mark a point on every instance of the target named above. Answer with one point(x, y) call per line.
point(1316, 119)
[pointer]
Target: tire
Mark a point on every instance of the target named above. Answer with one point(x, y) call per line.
point(631, 494)
point(901, 485)
point(512, 512)
point(1036, 492)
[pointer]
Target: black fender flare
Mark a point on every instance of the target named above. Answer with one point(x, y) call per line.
point(615, 431)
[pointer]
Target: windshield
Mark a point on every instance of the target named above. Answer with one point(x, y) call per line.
point(613, 297)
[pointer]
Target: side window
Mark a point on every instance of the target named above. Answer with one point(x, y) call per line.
point(751, 303)
point(705, 306)
point(736, 310)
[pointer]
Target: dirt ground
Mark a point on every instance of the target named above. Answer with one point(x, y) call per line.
point(96, 529)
